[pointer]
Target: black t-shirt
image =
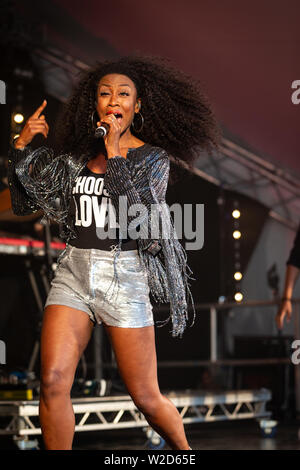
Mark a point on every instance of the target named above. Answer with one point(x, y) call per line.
point(94, 214)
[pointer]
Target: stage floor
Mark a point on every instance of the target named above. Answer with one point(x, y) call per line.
point(244, 435)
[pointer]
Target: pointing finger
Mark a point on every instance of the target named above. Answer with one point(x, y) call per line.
point(37, 113)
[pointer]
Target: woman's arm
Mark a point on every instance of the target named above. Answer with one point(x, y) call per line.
point(47, 180)
point(285, 309)
point(291, 276)
point(22, 204)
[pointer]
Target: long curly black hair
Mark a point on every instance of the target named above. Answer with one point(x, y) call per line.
point(177, 114)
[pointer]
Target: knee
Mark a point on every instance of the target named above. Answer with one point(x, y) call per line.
point(148, 403)
point(53, 383)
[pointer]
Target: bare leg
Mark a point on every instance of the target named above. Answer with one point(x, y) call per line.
point(135, 353)
point(65, 334)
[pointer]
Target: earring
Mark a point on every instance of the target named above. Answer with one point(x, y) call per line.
point(142, 123)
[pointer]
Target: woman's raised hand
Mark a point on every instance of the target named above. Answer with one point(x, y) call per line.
point(36, 124)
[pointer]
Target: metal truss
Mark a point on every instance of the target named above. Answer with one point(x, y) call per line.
point(238, 169)
point(103, 413)
point(59, 70)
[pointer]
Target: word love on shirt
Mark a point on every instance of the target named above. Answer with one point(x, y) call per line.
point(93, 204)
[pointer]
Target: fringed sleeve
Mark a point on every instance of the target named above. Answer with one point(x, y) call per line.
point(22, 203)
point(178, 275)
point(47, 181)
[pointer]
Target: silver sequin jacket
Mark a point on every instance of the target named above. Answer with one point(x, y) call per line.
point(40, 180)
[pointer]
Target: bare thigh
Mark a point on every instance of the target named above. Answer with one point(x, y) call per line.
point(135, 354)
point(65, 334)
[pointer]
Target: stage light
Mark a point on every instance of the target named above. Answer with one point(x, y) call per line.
point(236, 234)
point(238, 296)
point(236, 214)
point(18, 118)
point(238, 276)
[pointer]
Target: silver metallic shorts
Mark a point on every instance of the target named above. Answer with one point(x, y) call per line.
point(83, 277)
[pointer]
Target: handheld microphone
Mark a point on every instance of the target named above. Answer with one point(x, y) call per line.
point(102, 130)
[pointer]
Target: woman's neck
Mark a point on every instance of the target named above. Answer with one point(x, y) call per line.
point(130, 142)
point(99, 162)
point(124, 145)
